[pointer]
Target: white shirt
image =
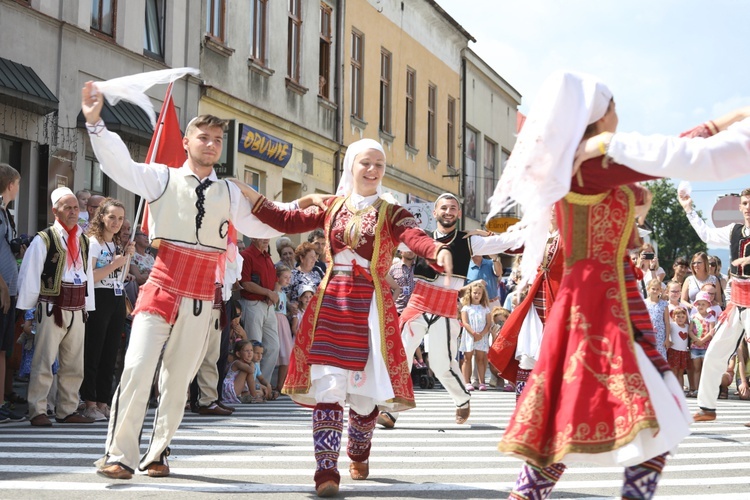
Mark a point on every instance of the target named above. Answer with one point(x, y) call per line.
point(150, 180)
point(30, 274)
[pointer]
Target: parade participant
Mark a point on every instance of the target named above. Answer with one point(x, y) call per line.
point(736, 318)
point(598, 341)
point(432, 307)
point(174, 307)
point(356, 358)
point(516, 348)
point(56, 273)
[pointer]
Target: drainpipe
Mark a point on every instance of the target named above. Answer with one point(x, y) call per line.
point(338, 79)
point(461, 183)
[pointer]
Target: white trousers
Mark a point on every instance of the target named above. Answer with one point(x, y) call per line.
point(722, 346)
point(208, 372)
point(332, 388)
point(66, 344)
point(184, 346)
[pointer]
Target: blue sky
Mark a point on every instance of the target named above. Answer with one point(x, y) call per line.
point(671, 64)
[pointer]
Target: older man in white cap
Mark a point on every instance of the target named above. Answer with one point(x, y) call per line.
point(56, 275)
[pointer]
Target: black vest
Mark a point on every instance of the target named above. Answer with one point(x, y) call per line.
point(54, 263)
point(739, 246)
point(459, 246)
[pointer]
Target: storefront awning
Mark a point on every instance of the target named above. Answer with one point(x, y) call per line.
point(125, 119)
point(21, 87)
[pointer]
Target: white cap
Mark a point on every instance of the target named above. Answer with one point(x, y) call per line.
point(59, 193)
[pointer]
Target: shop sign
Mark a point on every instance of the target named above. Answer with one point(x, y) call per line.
point(264, 146)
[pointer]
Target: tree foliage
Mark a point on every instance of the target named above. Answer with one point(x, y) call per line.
point(672, 232)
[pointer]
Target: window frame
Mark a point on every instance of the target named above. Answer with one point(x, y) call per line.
point(386, 99)
point(113, 9)
point(294, 40)
point(211, 11)
point(450, 158)
point(161, 7)
point(358, 68)
point(259, 32)
point(410, 109)
point(324, 52)
point(489, 170)
point(432, 93)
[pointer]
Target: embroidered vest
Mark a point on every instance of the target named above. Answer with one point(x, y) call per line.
point(192, 212)
point(460, 248)
point(54, 263)
point(739, 246)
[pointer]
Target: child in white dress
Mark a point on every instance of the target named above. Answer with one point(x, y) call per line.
point(477, 322)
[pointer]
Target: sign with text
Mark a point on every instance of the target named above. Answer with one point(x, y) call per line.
point(500, 224)
point(268, 148)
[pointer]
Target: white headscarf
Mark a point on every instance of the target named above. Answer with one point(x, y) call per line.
point(346, 184)
point(539, 169)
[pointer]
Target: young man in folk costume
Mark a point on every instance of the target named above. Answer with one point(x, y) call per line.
point(56, 274)
point(600, 392)
point(433, 305)
point(736, 319)
point(175, 305)
point(347, 349)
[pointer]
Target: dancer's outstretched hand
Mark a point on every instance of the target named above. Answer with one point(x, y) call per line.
point(591, 148)
point(91, 102)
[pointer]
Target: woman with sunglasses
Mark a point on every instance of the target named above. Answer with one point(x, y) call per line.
point(700, 276)
point(714, 268)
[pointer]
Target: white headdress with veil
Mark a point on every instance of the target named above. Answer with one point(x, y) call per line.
point(346, 184)
point(538, 172)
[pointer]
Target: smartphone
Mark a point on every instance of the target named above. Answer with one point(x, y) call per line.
point(648, 256)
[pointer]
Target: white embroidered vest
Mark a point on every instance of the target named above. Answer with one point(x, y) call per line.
point(188, 212)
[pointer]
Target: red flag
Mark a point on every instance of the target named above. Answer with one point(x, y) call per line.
point(166, 144)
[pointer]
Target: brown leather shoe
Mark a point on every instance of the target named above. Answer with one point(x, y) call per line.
point(359, 470)
point(75, 418)
point(41, 420)
point(115, 471)
point(747, 424)
point(158, 470)
point(386, 420)
point(328, 489)
point(704, 416)
point(462, 414)
point(213, 409)
point(228, 408)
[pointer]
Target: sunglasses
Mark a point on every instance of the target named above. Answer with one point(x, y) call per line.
point(712, 264)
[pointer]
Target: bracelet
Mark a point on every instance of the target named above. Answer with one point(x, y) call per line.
point(602, 148)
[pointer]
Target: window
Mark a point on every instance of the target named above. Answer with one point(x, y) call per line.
point(324, 70)
point(451, 139)
point(431, 121)
point(294, 37)
point(215, 19)
point(411, 86)
point(490, 175)
point(259, 24)
point(103, 16)
point(357, 74)
point(94, 179)
point(470, 175)
point(153, 35)
point(385, 91)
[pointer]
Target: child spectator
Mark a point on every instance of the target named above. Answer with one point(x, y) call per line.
point(262, 386)
point(499, 315)
point(477, 321)
point(657, 310)
point(674, 294)
point(236, 332)
point(678, 355)
point(305, 293)
point(239, 382)
point(283, 278)
point(701, 332)
point(715, 309)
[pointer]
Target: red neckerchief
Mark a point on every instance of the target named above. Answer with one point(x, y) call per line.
point(72, 246)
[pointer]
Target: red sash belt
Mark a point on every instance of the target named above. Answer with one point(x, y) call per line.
point(431, 299)
point(740, 292)
point(72, 298)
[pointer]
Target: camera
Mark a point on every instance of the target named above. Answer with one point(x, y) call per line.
point(17, 243)
point(648, 256)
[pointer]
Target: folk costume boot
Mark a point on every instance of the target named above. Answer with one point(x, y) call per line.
point(521, 378)
point(360, 432)
point(535, 483)
point(328, 424)
point(641, 480)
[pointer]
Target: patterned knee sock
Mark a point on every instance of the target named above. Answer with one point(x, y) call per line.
point(328, 424)
point(521, 377)
point(359, 434)
point(534, 483)
point(641, 480)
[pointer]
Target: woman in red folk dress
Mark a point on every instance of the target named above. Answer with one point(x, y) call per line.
point(599, 392)
point(348, 348)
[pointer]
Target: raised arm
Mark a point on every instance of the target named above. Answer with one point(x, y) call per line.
point(710, 235)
